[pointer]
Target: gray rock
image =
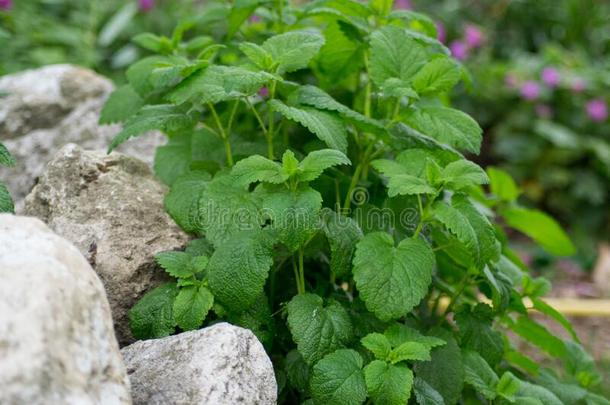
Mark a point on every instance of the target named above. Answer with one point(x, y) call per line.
point(111, 208)
point(46, 108)
point(221, 364)
point(57, 345)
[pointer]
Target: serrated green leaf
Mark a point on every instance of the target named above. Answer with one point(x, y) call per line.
point(392, 280)
point(502, 184)
point(539, 336)
point(293, 50)
point(257, 55)
point(394, 55)
point(139, 74)
point(6, 202)
point(191, 306)
point(343, 233)
point(508, 386)
point(541, 228)
point(152, 316)
point(337, 379)
point(479, 374)
point(548, 310)
point(341, 54)
point(404, 184)
point(239, 267)
point(476, 333)
point(377, 344)
point(463, 173)
point(546, 397)
point(312, 166)
point(258, 318)
point(182, 201)
point(326, 125)
point(457, 223)
point(174, 159)
point(176, 264)
point(152, 42)
point(5, 157)
point(388, 383)
point(425, 394)
point(398, 334)
point(163, 117)
point(317, 330)
point(398, 88)
point(438, 75)
point(409, 351)
point(297, 370)
point(257, 168)
point(448, 126)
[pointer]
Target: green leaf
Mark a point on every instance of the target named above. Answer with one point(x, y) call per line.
point(448, 126)
point(218, 83)
point(463, 173)
point(548, 310)
point(508, 386)
point(342, 53)
point(388, 383)
point(445, 372)
point(458, 224)
point(404, 184)
point(6, 202)
point(343, 233)
point(191, 306)
point(539, 336)
point(317, 161)
point(5, 157)
point(337, 379)
point(164, 117)
point(257, 55)
point(139, 75)
point(151, 42)
point(122, 104)
point(294, 214)
point(438, 75)
point(476, 333)
point(257, 168)
point(502, 184)
point(398, 334)
point(409, 351)
point(541, 228)
point(392, 280)
point(174, 159)
point(293, 50)
point(326, 125)
point(479, 374)
point(176, 264)
point(122, 19)
point(182, 201)
point(317, 330)
point(394, 55)
point(545, 396)
point(239, 267)
point(152, 316)
point(377, 344)
point(297, 370)
point(425, 394)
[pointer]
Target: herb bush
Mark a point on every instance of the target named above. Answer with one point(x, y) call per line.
point(6, 202)
point(312, 151)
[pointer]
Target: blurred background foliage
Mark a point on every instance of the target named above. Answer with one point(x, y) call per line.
point(540, 78)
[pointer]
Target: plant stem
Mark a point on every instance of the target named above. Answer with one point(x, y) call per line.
point(223, 135)
point(271, 126)
point(352, 186)
point(296, 275)
point(301, 269)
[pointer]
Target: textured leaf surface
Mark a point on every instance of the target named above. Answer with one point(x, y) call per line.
point(316, 329)
point(392, 280)
point(257, 168)
point(152, 316)
point(293, 50)
point(191, 306)
point(463, 173)
point(479, 374)
point(6, 202)
point(438, 75)
point(343, 233)
point(337, 379)
point(458, 224)
point(182, 201)
point(409, 351)
point(317, 161)
point(388, 383)
point(425, 394)
point(239, 267)
point(5, 157)
point(177, 264)
point(326, 125)
point(122, 104)
point(476, 333)
point(394, 54)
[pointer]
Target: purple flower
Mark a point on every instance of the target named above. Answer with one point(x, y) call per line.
point(511, 80)
point(263, 92)
point(441, 32)
point(579, 85)
point(597, 110)
point(550, 76)
point(6, 4)
point(544, 111)
point(254, 19)
point(530, 90)
point(459, 50)
point(403, 4)
point(146, 5)
point(473, 35)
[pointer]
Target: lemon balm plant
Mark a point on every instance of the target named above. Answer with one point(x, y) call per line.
point(313, 154)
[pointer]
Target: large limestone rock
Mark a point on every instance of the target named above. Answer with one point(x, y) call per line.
point(43, 109)
point(57, 345)
point(111, 208)
point(221, 364)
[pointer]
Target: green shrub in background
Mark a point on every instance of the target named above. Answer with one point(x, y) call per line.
point(312, 151)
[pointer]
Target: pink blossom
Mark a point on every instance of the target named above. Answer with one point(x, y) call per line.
point(530, 90)
point(146, 5)
point(579, 85)
point(255, 19)
point(550, 76)
point(263, 92)
point(441, 32)
point(6, 4)
point(597, 110)
point(403, 4)
point(459, 50)
point(511, 80)
point(473, 35)
point(544, 111)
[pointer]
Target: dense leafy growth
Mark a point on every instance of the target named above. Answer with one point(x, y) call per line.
point(313, 154)
point(6, 202)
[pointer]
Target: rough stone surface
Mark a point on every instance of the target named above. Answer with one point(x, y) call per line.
point(111, 208)
point(57, 345)
point(221, 364)
point(43, 109)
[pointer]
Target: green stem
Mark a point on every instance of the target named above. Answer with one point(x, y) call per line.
point(232, 117)
point(301, 269)
point(297, 276)
point(456, 295)
point(223, 135)
point(271, 126)
point(352, 186)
